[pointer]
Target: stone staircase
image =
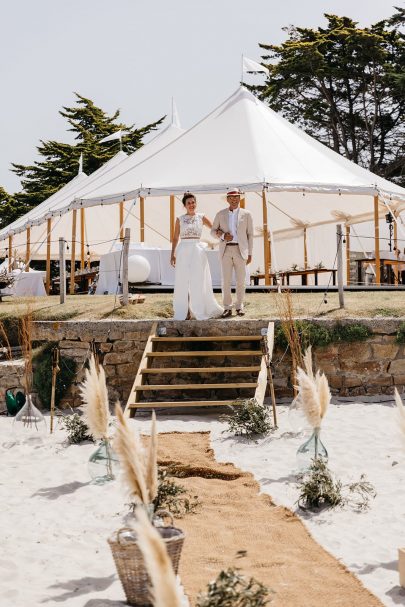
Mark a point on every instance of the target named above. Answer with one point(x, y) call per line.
point(190, 371)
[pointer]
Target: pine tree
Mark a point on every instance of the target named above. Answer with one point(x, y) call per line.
point(59, 161)
point(344, 85)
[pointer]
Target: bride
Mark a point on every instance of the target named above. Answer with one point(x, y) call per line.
point(193, 294)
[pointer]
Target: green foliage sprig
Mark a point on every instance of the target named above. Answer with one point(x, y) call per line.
point(76, 428)
point(248, 418)
point(42, 365)
point(231, 589)
point(313, 334)
point(318, 489)
point(400, 338)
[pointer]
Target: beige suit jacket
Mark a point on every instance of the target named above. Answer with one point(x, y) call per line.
point(245, 231)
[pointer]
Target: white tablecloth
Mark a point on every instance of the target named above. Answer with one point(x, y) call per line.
point(161, 270)
point(27, 284)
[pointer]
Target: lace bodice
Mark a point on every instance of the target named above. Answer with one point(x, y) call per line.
point(191, 225)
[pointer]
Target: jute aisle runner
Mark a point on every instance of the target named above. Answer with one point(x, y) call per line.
point(237, 527)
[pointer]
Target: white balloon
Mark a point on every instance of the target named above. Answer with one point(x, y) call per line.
point(138, 268)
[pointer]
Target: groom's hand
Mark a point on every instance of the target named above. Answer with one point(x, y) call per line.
point(249, 260)
point(228, 237)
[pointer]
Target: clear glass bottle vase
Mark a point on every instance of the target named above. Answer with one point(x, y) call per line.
point(29, 426)
point(312, 449)
point(103, 463)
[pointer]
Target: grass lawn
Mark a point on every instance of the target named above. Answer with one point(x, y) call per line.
point(258, 305)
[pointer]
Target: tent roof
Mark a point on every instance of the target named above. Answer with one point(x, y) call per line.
point(245, 143)
point(83, 185)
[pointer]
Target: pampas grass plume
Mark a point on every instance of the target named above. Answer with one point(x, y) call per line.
point(95, 399)
point(129, 450)
point(324, 394)
point(309, 398)
point(401, 410)
point(158, 563)
point(307, 361)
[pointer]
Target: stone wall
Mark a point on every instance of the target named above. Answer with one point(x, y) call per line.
point(371, 367)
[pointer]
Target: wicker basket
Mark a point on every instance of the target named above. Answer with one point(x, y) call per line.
point(130, 564)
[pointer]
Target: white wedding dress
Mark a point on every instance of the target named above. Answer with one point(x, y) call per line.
point(193, 285)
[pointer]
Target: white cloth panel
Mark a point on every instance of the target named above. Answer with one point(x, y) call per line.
point(27, 284)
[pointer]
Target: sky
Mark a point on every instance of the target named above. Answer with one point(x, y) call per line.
point(135, 55)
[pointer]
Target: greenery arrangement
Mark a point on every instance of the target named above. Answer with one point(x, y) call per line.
point(319, 489)
point(313, 334)
point(77, 430)
point(173, 497)
point(248, 418)
point(42, 374)
point(400, 338)
point(231, 589)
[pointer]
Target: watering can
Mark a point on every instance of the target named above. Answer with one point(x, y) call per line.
point(14, 400)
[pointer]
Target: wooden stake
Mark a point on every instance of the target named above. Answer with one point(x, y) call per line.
point(242, 202)
point(125, 251)
point(121, 209)
point(55, 371)
point(347, 255)
point(73, 255)
point(10, 253)
point(339, 237)
point(82, 237)
point(172, 218)
point(62, 271)
point(305, 250)
point(266, 242)
point(377, 242)
point(48, 256)
point(396, 267)
point(28, 249)
point(142, 218)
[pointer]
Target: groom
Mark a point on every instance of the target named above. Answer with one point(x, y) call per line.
point(234, 227)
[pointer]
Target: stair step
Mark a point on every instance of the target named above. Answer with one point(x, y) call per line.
point(149, 387)
point(157, 370)
point(203, 354)
point(181, 403)
point(218, 338)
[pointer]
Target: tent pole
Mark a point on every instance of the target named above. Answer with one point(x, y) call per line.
point(242, 202)
point(10, 252)
point(171, 217)
point(266, 242)
point(48, 256)
point(305, 250)
point(82, 237)
point(347, 255)
point(142, 218)
point(73, 256)
point(396, 270)
point(28, 249)
point(121, 211)
point(377, 242)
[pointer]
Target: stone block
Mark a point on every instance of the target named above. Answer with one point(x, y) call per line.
point(354, 352)
point(397, 367)
point(110, 370)
point(124, 346)
point(77, 354)
point(388, 350)
point(116, 358)
point(351, 382)
point(105, 347)
point(399, 380)
point(67, 344)
point(128, 370)
point(379, 380)
point(335, 381)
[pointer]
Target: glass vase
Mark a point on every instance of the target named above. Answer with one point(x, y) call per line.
point(296, 417)
point(312, 449)
point(103, 463)
point(29, 426)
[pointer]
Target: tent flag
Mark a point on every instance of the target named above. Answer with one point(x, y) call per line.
point(248, 65)
point(117, 135)
point(175, 114)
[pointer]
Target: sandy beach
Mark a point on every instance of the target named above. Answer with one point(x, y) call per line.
point(55, 523)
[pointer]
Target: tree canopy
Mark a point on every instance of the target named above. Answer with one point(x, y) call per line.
point(59, 162)
point(344, 85)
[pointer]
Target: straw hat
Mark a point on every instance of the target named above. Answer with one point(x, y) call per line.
point(233, 192)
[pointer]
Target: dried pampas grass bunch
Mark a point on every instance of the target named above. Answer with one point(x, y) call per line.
point(95, 399)
point(400, 411)
point(157, 562)
point(139, 466)
point(313, 392)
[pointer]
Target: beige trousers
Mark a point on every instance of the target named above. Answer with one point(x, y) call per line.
point(233, 259)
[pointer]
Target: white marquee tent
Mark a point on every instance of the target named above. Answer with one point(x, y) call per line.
point(294, 185)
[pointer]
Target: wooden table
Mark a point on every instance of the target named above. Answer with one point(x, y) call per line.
point(83, 279)
point(285, 276)
point(386, 270)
